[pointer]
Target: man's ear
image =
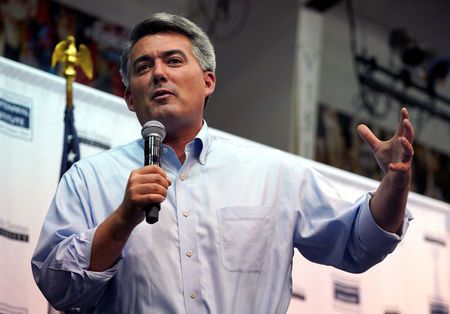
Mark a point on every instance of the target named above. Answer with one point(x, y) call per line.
point(210, 83)
point(129, 99)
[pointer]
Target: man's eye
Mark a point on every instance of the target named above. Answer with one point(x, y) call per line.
point(174, 61)
point(142, 67)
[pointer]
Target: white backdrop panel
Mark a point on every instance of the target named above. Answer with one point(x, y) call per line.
point(413, 277)
point(30, 161)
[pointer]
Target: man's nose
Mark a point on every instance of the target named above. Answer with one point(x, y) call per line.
point(159, 72)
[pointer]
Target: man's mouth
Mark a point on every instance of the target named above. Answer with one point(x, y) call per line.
point(161, 93)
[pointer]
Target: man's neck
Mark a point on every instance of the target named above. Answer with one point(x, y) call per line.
point(178, 147)
point(179, 141)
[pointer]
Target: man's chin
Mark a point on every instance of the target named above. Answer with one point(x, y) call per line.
point(164, 115)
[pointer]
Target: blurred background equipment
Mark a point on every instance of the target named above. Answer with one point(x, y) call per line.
point(414, 80)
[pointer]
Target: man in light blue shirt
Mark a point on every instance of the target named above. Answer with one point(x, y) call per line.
point(231, 212)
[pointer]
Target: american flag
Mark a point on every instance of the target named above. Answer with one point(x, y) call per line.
point(71, 147)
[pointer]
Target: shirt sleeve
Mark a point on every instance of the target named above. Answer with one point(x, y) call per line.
point(373, 238)
point(335, 232)
point(62, 256)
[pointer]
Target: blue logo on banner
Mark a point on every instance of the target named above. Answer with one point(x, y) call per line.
point(438, 308)
point(14, 235)
point(13, 231)
point(346, 293)
point(14, 114)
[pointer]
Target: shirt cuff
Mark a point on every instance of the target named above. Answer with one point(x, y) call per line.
point(374, 239)
point(80, 249)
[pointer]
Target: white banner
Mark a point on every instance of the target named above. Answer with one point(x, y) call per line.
point(31, 136)
point(414, 279)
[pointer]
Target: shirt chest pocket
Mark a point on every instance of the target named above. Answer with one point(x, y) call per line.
point(245, 233)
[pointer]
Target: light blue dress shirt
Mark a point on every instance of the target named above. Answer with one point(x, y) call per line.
point(225, 237)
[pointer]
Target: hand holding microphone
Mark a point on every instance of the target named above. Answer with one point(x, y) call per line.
point(153, 133)
point(147, 186)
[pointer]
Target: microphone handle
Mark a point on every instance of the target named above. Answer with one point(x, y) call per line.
point(152, 149)
point(152, 213)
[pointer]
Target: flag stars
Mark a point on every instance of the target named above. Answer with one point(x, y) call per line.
point(72, 157)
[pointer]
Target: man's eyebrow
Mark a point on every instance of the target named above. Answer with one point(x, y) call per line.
point(172, 52)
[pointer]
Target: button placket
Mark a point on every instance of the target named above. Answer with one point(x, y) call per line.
point(188, 241)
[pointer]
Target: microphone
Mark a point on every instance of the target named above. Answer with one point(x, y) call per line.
point(153, 133)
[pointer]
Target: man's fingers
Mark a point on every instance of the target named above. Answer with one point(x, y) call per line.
point(399, 167)
point(404, 163)
point(404, 115)
point(151, 188)
point(408, 130)
point(150, 174)
point(147, 193)
point(168, 180)
point(146, 185)
point(142, 200)
point(139, 179)
point(408, 150)
point(368, 136)
point(151, 169)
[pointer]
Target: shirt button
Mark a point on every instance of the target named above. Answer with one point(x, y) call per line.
point(186, 213)
point(182, 177)
point(189, 253)
point(193, 295)
point(165, 150)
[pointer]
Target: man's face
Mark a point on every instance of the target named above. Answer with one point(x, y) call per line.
point(167, 83)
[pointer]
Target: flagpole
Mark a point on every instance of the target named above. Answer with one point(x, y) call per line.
point(69, 91)
point(69, 57)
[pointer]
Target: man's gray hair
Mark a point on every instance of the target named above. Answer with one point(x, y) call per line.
point(164, 22)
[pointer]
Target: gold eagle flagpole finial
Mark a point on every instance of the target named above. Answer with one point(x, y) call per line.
point(66, 53)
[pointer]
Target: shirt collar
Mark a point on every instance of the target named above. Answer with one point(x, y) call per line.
point(201, 143)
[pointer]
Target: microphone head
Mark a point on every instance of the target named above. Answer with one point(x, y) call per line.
point(153, 128)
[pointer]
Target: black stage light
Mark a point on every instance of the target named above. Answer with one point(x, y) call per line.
point(410, 52)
